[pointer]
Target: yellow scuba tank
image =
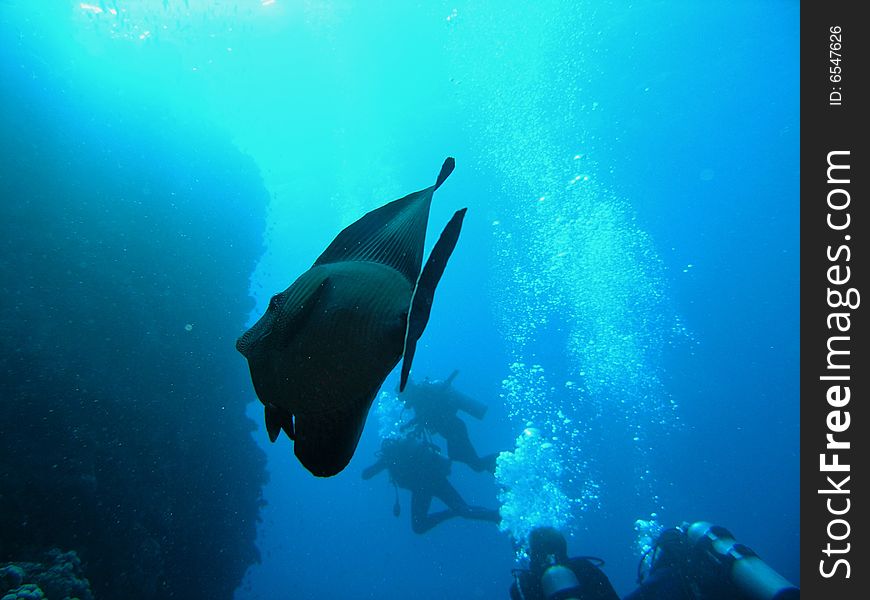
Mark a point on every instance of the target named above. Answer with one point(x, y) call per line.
point(751, 575)
point(560, 582)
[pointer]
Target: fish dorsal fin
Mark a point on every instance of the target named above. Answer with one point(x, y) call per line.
point(392, 235)
point(424, 294)
point(446, 170)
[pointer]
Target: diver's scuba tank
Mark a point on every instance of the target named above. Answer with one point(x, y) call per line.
point(739, 564)
point(466, 404)
point(560, 583)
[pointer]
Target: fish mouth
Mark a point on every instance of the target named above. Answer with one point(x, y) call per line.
point(252, 337)
point(274, 319)
point(243, 344)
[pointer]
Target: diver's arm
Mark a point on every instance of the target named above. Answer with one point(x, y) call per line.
point(374, 469)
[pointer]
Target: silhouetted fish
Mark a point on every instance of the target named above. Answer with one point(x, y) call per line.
point(325, 345)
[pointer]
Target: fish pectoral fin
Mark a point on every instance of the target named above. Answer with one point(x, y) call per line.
point(276, 420)
point(325, 443)
point(424, 293)
point(273, 422)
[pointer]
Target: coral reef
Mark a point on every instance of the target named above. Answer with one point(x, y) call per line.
point(127, 239)
point(60, 577)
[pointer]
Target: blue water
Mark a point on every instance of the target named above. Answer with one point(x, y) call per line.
point(626, 280)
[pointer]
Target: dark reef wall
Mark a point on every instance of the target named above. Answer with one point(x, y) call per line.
point(127, 239)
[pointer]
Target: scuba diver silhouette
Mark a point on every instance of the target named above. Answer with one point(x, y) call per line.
point(416, 465)
point(697, 561)
point(435, 404)
point(553, 575)
point(700, 561)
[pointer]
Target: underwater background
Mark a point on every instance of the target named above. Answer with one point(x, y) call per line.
point(624, 295)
